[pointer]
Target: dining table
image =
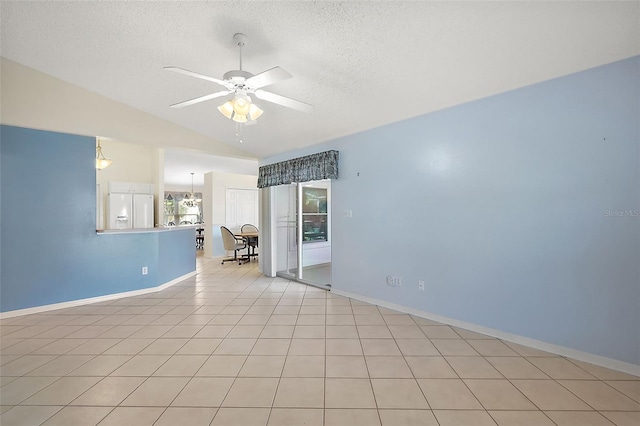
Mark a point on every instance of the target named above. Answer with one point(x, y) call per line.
point(251, 238)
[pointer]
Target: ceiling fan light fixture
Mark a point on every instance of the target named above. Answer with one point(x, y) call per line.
point(241, 105)
point(240, 118)
point(226, 109)
point(254, 111)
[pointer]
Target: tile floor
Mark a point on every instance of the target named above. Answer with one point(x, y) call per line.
point(231, 347)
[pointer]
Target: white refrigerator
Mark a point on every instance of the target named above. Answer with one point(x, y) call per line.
point(126, 211)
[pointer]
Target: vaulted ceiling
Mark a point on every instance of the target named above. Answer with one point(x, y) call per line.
point(361, 64)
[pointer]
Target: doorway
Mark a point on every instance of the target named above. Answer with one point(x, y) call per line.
point(303, 227)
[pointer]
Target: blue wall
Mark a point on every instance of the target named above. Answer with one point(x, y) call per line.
point(519, 211)
point(50, 250)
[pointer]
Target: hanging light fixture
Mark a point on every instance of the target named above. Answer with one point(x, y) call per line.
point(101, 161)
point(240, 109)
point(190, 199)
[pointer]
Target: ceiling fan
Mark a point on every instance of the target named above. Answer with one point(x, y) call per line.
point(241, 83)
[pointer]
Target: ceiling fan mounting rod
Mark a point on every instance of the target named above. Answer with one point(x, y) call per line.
point(240, 40)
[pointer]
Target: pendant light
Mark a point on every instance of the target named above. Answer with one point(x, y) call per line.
point(101, 161)
point(190, 199)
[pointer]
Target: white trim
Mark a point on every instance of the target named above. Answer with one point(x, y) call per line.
point(602, 361)
point(80, 302)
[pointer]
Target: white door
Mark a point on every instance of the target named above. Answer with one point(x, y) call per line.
point(241, 208)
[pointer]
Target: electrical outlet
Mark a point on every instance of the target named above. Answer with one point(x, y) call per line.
point(394, 281)
point(145, 270)
point(421, 285)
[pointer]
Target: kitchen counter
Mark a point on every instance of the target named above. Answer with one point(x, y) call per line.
point(147, 230)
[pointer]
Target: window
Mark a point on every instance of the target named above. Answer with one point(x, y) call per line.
point(178, 212)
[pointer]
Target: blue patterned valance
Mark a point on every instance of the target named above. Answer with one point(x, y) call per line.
point(323, 165)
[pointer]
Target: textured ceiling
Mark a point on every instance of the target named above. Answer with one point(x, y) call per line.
point(362, 64)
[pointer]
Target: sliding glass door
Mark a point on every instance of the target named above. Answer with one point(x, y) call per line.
point(303, 226)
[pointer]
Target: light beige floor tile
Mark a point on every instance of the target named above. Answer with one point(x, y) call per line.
point(151, 331)
point(214, 331)
point(630, 388)
point(296, 417)
point(222, 366)
point(26, 416)
point(223, 319)
point(251, 392)
point(271, 347)
point(448, 394)
point(529, 352)
point(110, 391)
point(375, 319)
point(25, 364)
point(417, 347)
point(186, 416)
point(340, 320)
point(349, 393)
point(182, 331)
point(339, 309)
point(129, 346)
point(23, 346)
point(245, 331)
point(59, 347)
point(351, 417)
point(516, 368)
point(139, 416)
point(424, 321)
point(120, 332)
point(309, 332)
point(263, 366)
point(491, 347)
point(342, 332)
point(430, 367)
point(277, 332)
point(397, 318)
point(310, 319)
point(623, 418)
point(304, 366)
point(199, 347)
point(407, 418)
point(241, 416)
point(463, 418)
point(235, 347)
point(89, 332)
point(498, 395)
point(254, 320)
point(164, 347)
point(181, 366)
point(406, 332)
point(379, 347)
point(89, 416)
point(439, 332)
point(22, 388)
point(204, 392)
point(560, 368)
point(346, 366)
point(454, 347)
point(62, 392)
point(300, 393)
point(365, 309)
point(549, 395)
point(344, 347)
point(156, 391)
point(374, 332)
point(473, 367)
point(101, 365)
point(398, 393)
point(141, 365)
point(603, 373)
point(197, 320)
point(307, 347)
point(520, 418)
point(578, 418)
point(600, 396)
point(388, 367)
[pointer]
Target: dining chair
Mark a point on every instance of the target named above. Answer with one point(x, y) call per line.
point(231, 243)
point(252, 241)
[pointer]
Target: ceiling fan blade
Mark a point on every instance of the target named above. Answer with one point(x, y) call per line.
point(196, 75)
point(268, 77)
point(201, 99)
point(281, 100)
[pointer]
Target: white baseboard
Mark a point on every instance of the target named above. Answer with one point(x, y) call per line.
point(80, 302)
point(602, 361)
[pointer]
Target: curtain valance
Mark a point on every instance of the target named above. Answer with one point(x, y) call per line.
point(323, 165)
